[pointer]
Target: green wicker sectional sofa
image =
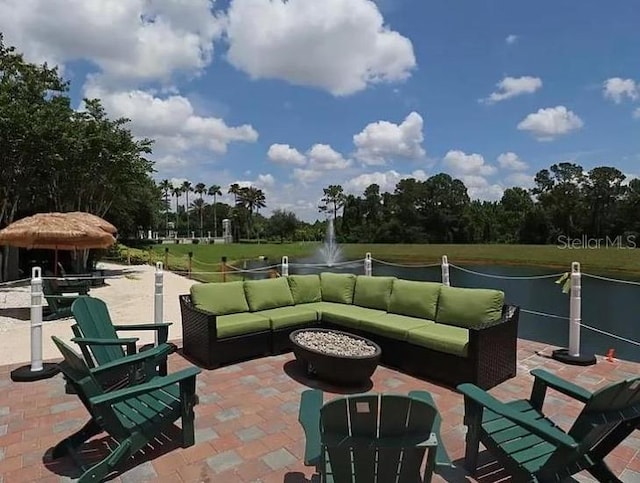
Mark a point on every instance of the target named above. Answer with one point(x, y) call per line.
point(447, 334)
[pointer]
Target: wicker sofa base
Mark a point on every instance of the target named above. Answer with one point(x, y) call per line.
point(490, 360)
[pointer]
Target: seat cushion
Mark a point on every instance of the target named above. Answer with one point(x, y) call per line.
point(393, 326)
point(372, 292)
point(238, 324)
point(289, 316)
point(414, 299)
point(337, 287)
point(443, 338)
point(469, 307)
point(219, 298)
point(305, 288)
point(267, 294)
point(346, 315)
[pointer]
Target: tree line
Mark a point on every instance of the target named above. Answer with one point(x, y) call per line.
point(565, 201)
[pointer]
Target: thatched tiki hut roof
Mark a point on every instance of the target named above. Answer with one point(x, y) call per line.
point(57, 231)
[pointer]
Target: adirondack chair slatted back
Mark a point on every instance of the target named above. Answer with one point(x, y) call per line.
point(373, 438)
point(93, 321)
point(606, 408)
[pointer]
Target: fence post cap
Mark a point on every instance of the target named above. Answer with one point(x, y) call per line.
point(159, 266)
point(367, 255)
point(36, 272)
point(285, 259)
point(575, 267)
point(445, 260)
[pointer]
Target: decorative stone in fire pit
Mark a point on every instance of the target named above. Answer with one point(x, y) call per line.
point(336, 356)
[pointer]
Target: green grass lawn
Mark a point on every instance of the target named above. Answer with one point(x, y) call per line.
point(206, 258)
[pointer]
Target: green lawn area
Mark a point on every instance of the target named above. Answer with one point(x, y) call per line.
point(206, 258)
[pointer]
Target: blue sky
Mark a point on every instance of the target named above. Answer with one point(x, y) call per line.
point(294, 96)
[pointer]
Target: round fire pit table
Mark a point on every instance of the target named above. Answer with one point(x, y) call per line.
point(336, 356)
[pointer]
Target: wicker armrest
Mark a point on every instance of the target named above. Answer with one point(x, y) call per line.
point(509, 314)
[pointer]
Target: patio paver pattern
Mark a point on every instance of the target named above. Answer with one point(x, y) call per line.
point(247, 428)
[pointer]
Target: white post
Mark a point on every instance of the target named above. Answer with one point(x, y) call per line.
point(285, 266)
point(368, 268)
point(445, 271)
point(158, 299)
point(575, 311)
point(36, 319)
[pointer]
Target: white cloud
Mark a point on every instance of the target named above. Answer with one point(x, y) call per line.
point(616, 89)
point(265, 180)
point(479, 188)
point(546, 124)
point(306, 176)
point(386, 180)
point(383, 140)
point(171, 121)
point(337, 45)
point(522, 180)
point(513, 86)
point(462, 164)
point(138, 40)
point(171, 163)
point(285, 154)
point(512, 162)
point(324, 157)
point(511, 39)
point(636, 113)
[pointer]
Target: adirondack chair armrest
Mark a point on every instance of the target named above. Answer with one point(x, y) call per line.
point(309, 417)
point(129, 342)
point(486, 400)
point(152, 326)
point(153, 385)
point(147, 357)
point(442, 457)
point(63, 297)
point(544, 379)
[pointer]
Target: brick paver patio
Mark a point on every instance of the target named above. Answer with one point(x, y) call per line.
point(246, 423)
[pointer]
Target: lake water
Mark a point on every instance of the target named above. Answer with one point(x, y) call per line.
point(607, 306)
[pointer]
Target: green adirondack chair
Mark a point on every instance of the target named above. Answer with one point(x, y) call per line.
point(532, 448)
point(61, 286)
point(98, 338)
point(59, 302)
point(372, 437)
point(132, 416)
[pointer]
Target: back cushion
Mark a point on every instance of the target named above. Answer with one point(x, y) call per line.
point(305, 288)
point(373, 292)
point(219, 298)
point(337, 287)
point(268, 294)
point(469, 307)
point(415, 299)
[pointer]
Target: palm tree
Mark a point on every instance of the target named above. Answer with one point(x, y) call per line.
point(177, 192)
point(186, 188)
point(166, 187)
point(235, 190)
point(198, 205)
point(200, 190)
point(252, 199)
point(214, 190)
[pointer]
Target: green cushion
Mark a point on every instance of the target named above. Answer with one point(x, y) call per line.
point(267, 294)
point(346, 315)
point(337, 287)
point(442, 338)
point(393, 326)
point(289, 316)
point(219, 298)
point(415, 299)
point(469, 307)
point(305, 288)
point(373, 292)
point(238, 324)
